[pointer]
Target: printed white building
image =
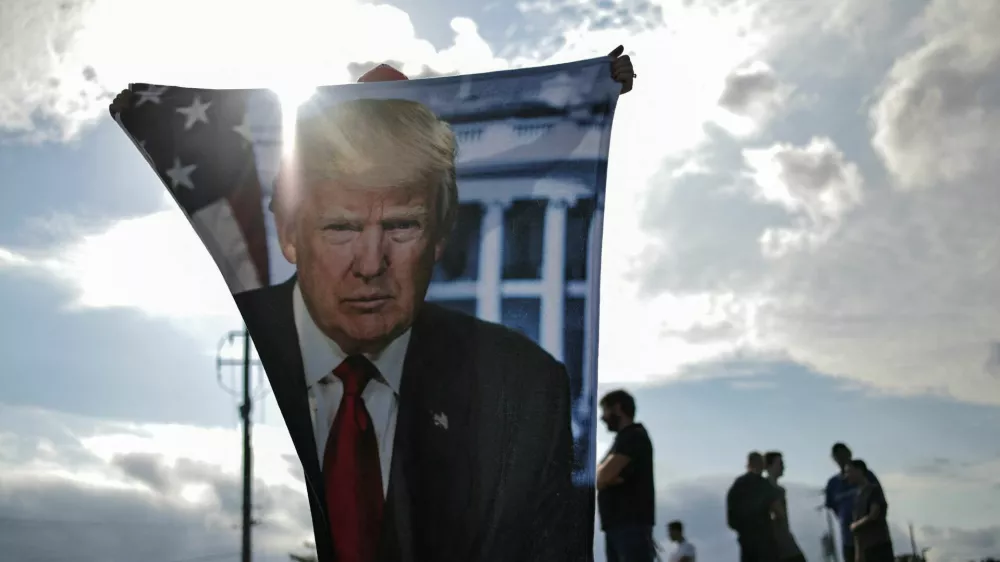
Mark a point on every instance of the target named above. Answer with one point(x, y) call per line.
point(520, 252)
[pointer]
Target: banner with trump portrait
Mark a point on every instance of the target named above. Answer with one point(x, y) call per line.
point(417, 263)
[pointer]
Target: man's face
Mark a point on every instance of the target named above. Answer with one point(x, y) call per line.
point(841, 457)
point(777, 468)
point(364, 259)
point(853, 474)
point(612, 417)
point(674, 534)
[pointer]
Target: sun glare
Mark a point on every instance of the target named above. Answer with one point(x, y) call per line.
point(291, 96)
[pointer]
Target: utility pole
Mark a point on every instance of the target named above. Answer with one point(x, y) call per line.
point(829, 527)
point(246, 408)
point(922, 555)
point(828, 540)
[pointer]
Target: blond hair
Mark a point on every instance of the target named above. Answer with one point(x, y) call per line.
point(375, 144)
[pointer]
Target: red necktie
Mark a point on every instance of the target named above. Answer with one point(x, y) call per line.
point(351, 469)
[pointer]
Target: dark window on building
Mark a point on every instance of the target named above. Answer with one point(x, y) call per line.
point(574, 343)
point(465, 306)
point(460, 261)
point(578, 220)
point(574, 346)
point(524, 236)
point(522, 315)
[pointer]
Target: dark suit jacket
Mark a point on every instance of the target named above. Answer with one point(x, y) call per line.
point(495, 485)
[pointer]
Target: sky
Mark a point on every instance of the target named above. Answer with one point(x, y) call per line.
point(800, 239)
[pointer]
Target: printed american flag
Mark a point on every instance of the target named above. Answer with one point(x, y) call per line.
point(199, 144)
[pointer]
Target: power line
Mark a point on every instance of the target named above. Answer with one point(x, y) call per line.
point(206, 558)
point(107, 522)
point(201, 558)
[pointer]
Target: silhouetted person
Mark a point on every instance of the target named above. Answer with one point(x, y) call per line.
point(788, 549)
point(840, 497)
point(872, 541)
point(625, 493)
point(749, 504)
point(683, 551)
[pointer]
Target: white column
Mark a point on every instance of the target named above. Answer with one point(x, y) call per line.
point(587, 403)
point(490, 261)
point(554, 277)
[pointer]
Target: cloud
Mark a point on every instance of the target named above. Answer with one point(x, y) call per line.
point(753, 92)
point(931, 120)
point(993, 359)
point(961, 545)
point(704, 332)
point(815, 183)
point(897, 288)
point(902, 296)
point(47, 87)
point(154, 263)
point(936, 118)
point(682, 53)
point(558, 16)
point(747, 86)
point(986, 473)
point(972, 491)
point(356, 70)
point(11, 259)
point(128, 491)
point(170, 274)
point(63, 61)
point(147, 469)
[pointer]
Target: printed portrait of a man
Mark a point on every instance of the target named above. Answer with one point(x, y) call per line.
point(418, 265)
point(424, 433)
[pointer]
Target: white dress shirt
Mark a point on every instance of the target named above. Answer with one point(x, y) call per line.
point(320, 356)
point(682, 550)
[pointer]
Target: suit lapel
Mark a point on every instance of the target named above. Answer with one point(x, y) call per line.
point(437, 415)
point(279, 346)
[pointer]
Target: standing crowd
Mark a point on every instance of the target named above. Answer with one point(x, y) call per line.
point(756, 503)
point(757, 510)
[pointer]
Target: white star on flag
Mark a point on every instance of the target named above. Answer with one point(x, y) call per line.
point(151, 93)
point(243, 129)
point(181, 175)
point(194, 113)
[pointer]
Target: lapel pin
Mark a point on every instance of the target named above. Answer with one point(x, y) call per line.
point(441, 420)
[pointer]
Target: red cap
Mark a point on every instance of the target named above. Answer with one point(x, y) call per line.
point(382, 73)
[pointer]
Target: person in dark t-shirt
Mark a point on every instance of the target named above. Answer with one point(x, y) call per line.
point(749, 504)
point(625, 492)
point(872, 541)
